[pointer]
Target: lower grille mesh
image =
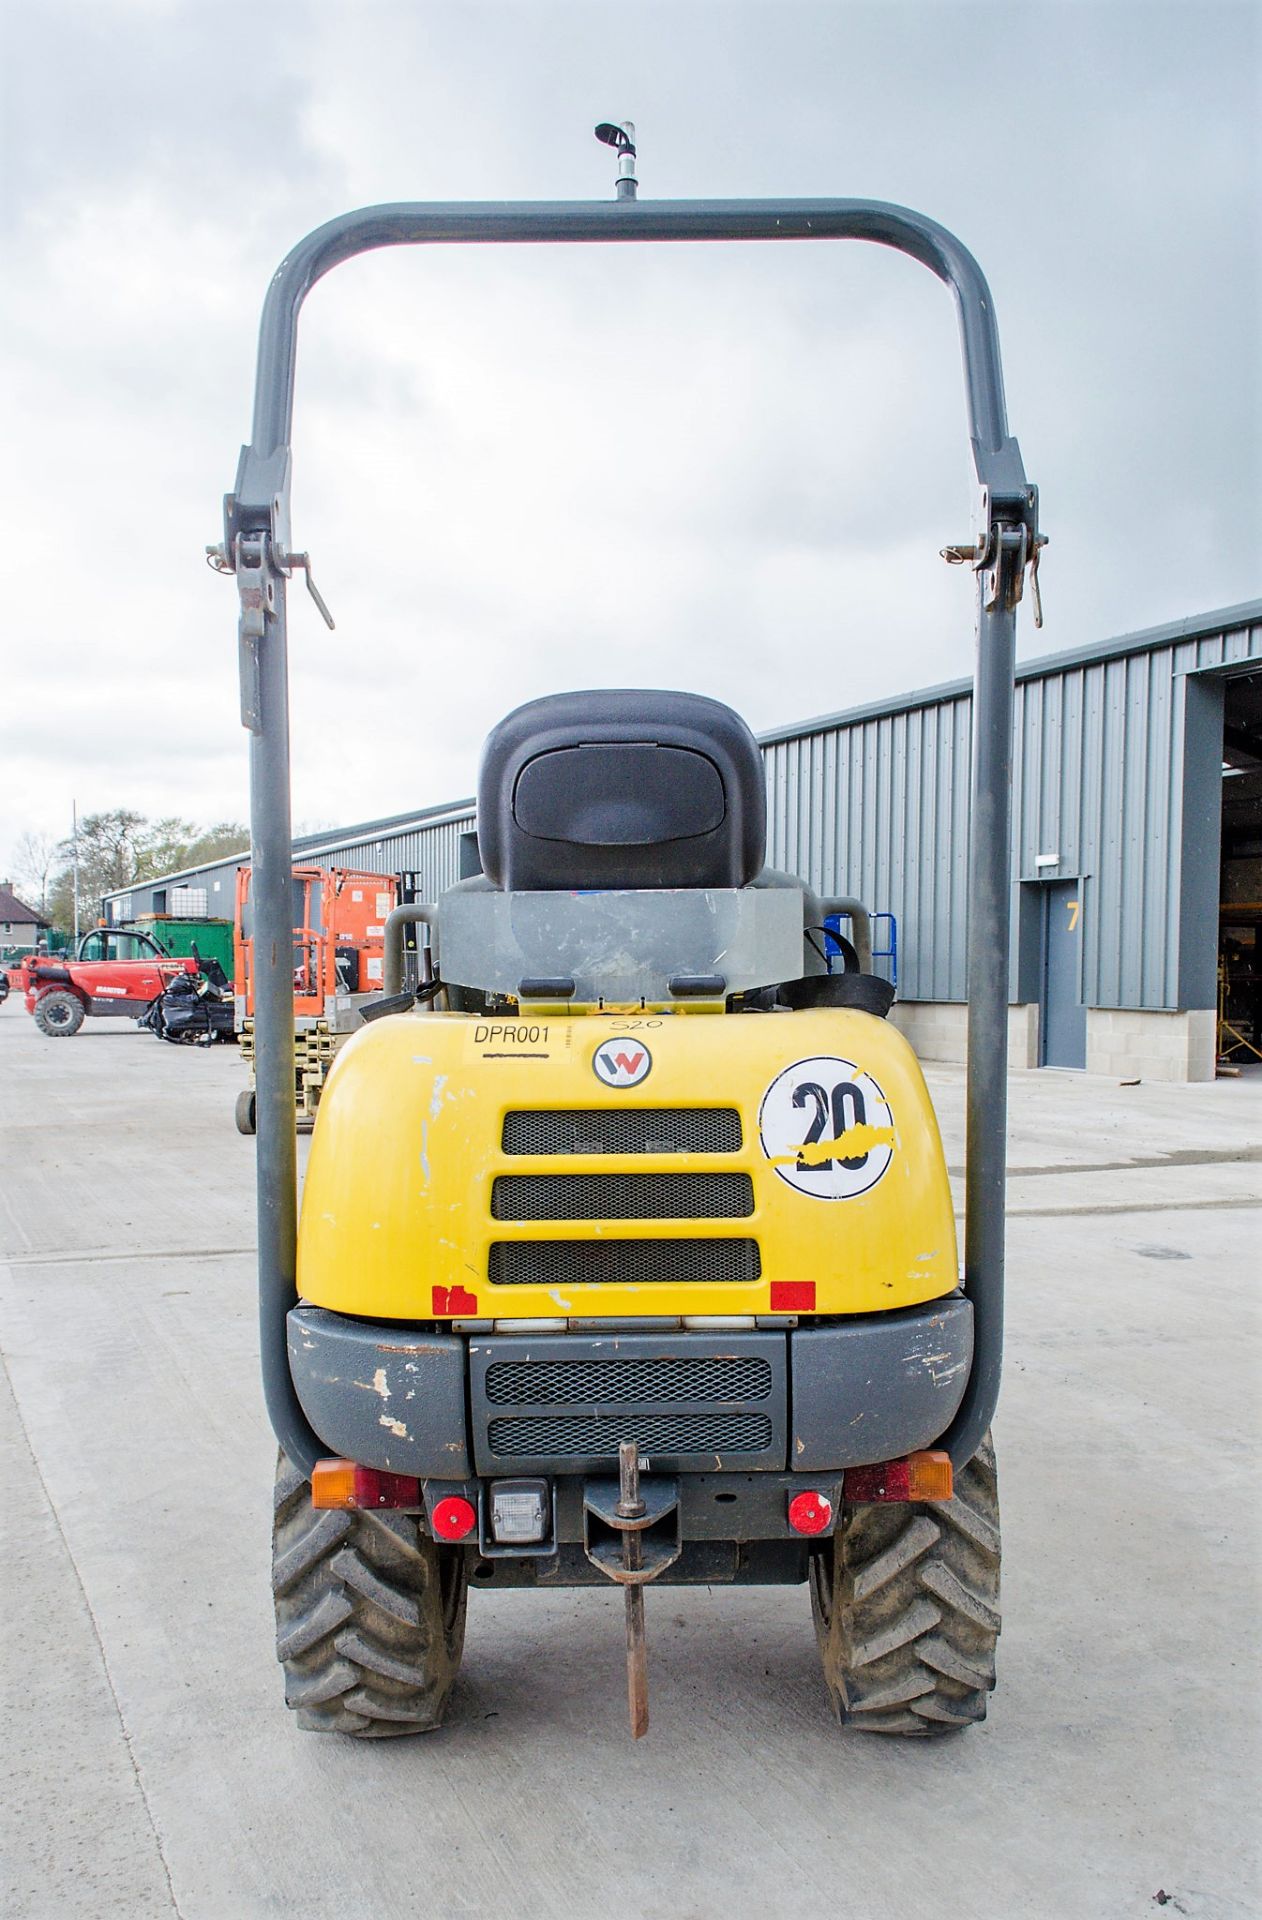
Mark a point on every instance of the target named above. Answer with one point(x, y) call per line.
point(569, 1434)
point(606, 1382)
point(612, 1263)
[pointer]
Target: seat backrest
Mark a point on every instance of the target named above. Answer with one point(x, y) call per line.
point(621, 790)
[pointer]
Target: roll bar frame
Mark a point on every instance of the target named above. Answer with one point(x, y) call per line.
point(257, 549)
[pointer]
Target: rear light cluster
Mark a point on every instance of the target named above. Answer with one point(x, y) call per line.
point(340, 1483)
point(520, 1512)
point(918, 1477)
point(519, 1509)
point(921, 1476)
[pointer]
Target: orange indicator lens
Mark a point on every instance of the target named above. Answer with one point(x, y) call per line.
point(929, 1476)
point(333, 1484)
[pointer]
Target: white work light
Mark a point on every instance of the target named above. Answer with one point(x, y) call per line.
point(519, 1512)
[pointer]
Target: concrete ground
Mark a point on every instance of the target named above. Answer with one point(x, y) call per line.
point(153, 1769)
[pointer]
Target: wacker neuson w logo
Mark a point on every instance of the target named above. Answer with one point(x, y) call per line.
point(622, 1063)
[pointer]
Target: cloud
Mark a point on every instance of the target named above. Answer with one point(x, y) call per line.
point(522, 468)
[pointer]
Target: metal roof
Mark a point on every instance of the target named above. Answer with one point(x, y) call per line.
point(1147, 640)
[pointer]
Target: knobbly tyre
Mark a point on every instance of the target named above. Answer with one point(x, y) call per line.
point(629, 1254)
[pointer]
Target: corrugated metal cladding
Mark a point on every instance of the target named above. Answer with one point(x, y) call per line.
point(879, 808)
point(432, 852)
point(876, 803)
point(1099, 778)
point(429, 847)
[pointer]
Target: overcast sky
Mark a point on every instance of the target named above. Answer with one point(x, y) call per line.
point(725, 469)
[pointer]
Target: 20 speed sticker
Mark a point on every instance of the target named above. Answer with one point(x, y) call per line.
point(827, 1129)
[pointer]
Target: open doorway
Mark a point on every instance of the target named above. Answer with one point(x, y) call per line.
point(1240, 882)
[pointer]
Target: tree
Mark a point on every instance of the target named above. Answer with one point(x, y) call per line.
point(109, 852)
point(163, 848)
point(168, 845)
point(215, 843)
point(33, 859)
point(120, 847)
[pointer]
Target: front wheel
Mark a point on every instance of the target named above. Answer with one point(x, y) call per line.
point(247, 1112)
point(906, 1604)
point(59, 1014)
point(370, 1616)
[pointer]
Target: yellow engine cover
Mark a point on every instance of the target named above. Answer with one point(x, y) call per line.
point(671, 1164)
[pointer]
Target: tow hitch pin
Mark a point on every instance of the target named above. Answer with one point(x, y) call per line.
point(631, 1507)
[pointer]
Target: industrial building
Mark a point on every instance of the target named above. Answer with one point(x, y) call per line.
point(1136, 849)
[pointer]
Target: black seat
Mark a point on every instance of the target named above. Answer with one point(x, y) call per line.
point(621, 790)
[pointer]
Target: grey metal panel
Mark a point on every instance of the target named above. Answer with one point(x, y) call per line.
point(143, 894)
point(405, 1408)
point(880, 810)
point(878, 1386)
point(875, 803)
point(1063, 1021)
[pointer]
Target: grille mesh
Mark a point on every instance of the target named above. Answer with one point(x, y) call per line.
point(612, 1263)
point(623, 1196)
point(606, 1382)
point(570, 1434)
point(624, 1130)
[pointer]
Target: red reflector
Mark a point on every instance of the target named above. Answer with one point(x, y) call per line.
point(448, 1302)
point(340, 1483)
point(453, 1518)
point(921, 1476)
point(793, 1296)
point(810, 1512)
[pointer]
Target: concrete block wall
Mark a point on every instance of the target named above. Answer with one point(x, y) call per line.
point(1128, 1044)
point(1023, 1035)
point(1122, 1043)
point(938, 1030)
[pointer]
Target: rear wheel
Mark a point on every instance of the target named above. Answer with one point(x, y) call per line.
point(906, 1604)
point(59, 1014)
point(370, 1616)
point(246, 1112)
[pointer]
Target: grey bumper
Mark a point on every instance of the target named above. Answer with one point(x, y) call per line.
point(811, 1401)
point(384, 1396)
point(878, 1386)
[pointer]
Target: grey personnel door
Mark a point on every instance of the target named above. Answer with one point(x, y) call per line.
point(1063, 1017)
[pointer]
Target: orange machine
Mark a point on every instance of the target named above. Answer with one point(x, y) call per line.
point(339, 944)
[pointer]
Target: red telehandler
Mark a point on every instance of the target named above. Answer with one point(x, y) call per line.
point(112, 973)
